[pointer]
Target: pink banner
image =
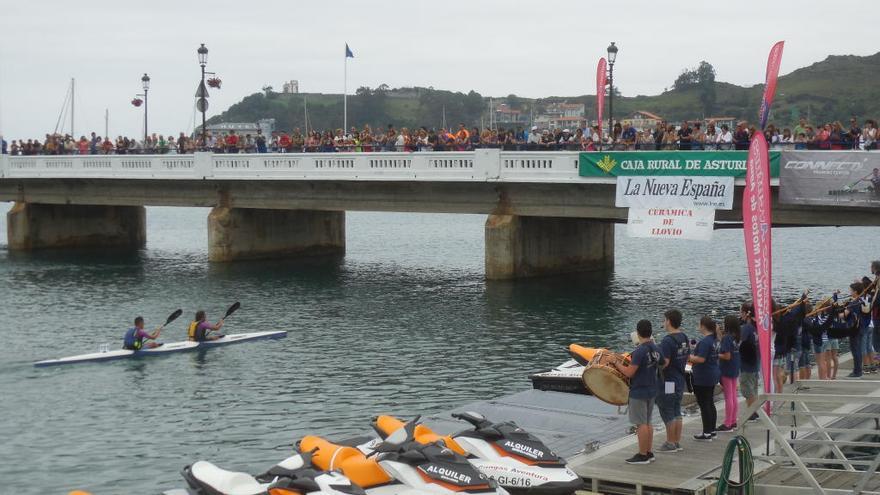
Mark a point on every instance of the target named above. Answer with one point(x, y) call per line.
point(773, 62)
point(601, 74)
point(756, 229)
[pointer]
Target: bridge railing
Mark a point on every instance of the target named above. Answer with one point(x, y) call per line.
point(482, 165)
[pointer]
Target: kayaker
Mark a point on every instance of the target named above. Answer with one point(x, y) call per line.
point(199, 328)
point(135, 336)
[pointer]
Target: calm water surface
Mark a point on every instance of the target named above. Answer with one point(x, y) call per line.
point(403, 324)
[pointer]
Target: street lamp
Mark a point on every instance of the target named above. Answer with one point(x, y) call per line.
point(612, 56)
point(203, 61)
point(146, 82)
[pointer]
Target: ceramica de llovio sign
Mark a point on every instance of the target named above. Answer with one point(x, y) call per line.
point(706, 163)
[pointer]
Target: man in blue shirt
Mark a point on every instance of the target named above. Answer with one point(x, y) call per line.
point(643, 372)
point(675, 349)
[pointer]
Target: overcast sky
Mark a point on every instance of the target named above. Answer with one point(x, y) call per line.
point(533, 48)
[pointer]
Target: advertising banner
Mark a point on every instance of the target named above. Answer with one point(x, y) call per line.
point(846, 178)
point(757, 233)
point(601, 75)
point(709, 163)
point(773, 62)
point(675, 192)
point(671, 223)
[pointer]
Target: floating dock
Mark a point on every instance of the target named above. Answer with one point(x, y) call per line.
point(813, 426)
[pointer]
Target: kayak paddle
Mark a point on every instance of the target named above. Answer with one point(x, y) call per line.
point(173, 316)
point(232, 309)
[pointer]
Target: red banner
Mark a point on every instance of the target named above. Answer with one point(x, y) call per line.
point(757, 232)
point(601, 74)
point(773, 62)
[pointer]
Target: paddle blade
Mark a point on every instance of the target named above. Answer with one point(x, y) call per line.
point(173, 316)
point(232, 309)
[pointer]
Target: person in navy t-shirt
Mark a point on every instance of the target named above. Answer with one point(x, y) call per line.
point(643, 372)
point(675, 348)
point(750, 356)
point(706, 373)
point(729, 365)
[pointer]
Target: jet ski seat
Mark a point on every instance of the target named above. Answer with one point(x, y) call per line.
point(387, 425)
point(227, 482)
point(361, 470)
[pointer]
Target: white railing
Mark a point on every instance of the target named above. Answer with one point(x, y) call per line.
point(484, 165)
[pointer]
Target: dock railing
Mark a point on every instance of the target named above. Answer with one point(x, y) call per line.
point(830, 421)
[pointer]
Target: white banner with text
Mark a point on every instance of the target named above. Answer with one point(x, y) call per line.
point(671, 223)
point(687, 192)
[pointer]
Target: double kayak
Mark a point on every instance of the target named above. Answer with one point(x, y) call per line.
point(169, 348)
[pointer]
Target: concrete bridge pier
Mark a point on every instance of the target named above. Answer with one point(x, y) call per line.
point(34, 226)
point(249, 233)
point(518, 246)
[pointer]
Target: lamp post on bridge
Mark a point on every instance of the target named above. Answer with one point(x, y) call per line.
point(146, 82)
point(612, 56)
point(202, 93)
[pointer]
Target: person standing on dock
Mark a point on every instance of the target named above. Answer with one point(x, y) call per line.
point(706, 376)
point(675, 349)
point(730, 363)
point(643, 372)
point(750, 357)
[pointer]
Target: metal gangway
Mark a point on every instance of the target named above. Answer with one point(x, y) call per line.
point(812, 435)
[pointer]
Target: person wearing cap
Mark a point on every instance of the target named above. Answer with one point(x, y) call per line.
point(534, 138)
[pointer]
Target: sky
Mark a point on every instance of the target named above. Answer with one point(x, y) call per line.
point(529, 48)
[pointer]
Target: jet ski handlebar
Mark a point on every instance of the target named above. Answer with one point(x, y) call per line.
point(478, 420)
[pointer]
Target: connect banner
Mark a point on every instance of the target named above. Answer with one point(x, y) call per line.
point(675, 192)
point(847, 178)
point(690, 163)
point(671, 223)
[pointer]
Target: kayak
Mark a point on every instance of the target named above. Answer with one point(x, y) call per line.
point(169, 348)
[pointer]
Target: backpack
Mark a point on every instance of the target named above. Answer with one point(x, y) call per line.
point(129, 341)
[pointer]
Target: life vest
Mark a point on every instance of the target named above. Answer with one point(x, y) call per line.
point(130, 341)
point(191, 332)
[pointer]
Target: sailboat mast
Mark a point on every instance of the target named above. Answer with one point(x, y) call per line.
point(72, 107)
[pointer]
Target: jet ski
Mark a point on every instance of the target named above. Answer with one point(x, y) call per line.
point(292, 476)
point(507, 454)
point(569, 376)
point(399, 465)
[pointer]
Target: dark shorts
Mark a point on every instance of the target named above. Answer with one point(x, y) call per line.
point(669, 406)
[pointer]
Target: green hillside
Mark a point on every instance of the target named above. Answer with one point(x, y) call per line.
point(834, 89)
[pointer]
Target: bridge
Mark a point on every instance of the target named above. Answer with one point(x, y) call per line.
point(543, 218)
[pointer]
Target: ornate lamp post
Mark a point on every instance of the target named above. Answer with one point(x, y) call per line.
point(203, 91)
point(146, 82)
point(612, 55)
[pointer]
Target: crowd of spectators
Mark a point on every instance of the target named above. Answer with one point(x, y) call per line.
point(664, 136)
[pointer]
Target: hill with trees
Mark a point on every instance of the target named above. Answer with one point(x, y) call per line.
point(835, 89)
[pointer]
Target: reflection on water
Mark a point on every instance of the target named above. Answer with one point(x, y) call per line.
point(403, 324)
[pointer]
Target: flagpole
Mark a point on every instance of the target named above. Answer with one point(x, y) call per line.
point(345, 94)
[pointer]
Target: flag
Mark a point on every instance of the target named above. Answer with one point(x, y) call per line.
point(348, 53)
point(773, 62)
point(757, 233)
point(601, 74)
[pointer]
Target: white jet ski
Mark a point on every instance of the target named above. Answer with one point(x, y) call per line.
point(517, 460)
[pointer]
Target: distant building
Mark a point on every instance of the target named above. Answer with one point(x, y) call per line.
point(506, 115)
point(642, 120)
point(562, 116)
point(290, 87)
point(243, 129)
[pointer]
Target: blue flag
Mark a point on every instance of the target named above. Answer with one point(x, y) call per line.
point(348, 53)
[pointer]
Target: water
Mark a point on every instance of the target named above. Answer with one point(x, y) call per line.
point(404, 324)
